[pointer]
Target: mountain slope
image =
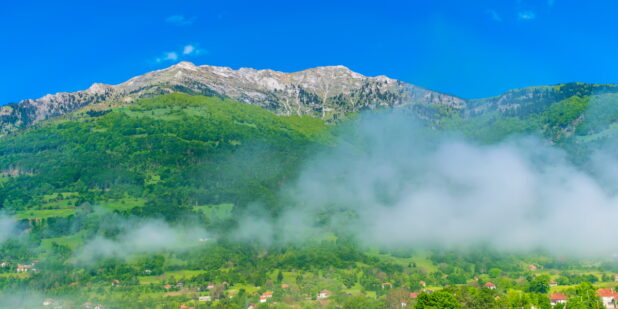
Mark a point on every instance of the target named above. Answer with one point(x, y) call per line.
point(323, 92)
point(174, 149)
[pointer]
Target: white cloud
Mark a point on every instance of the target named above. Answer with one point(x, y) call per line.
point(395, 183)
point(168, 56)
point(494, 15)
point(188, 49)
point(180, 20)
point(141, 237)
point(7, 227)
point(526, 15)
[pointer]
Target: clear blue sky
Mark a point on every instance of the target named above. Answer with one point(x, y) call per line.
point(467, 48)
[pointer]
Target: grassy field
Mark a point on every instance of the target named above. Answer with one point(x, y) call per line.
point(45, 213)
point(71, 241)
point(14, 275)
point(220, 212)
point(176, 274)
point(126, 203)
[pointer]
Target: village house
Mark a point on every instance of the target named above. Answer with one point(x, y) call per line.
point(49, 302)
point(263, 299)
point(413, 295)
point(553, 283)
point(147, 271)
point(422, 283)
point(23, 268)
point(205, 298)
point(116, 283)
point(557, 298)
point(386, 285)
point(616, 277)
point(285, 285)
point(324, 294)
point(4, 264)
point(167, 286)
point(490, 285)
point(252, 306)
point(211, 286)
point(180, 284)
point(532, 267)
point(608, 297)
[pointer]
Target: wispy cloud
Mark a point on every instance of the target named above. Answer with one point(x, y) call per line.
point(494, 15)
point(180, 20)
point(186, 51)
point(526, 15)
point(168, 56)
point(193, 50)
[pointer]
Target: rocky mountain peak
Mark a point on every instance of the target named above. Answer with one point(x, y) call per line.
point(327, 92)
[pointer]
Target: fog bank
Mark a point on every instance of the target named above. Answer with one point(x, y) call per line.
point(392, 182)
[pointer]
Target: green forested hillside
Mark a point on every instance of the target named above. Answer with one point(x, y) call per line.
point(181, 149)
point(112, 205)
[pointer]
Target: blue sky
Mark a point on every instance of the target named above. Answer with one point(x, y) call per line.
point(467, 48)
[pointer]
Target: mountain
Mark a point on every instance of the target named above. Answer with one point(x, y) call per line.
point(135, 197)
point(324, 92)
point(331, 93)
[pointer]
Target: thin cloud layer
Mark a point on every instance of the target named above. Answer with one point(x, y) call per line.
point(7, 227)
point(180, 20)
point(137, 237)
point(394, 183)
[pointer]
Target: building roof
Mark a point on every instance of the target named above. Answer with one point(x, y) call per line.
point(558, 296)
point(606, 292)
point(413, 295)
point(490, 285)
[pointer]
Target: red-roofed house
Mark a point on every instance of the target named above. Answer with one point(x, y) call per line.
point(422, 283)
point(22, 268)
point(263, 299)
point(608, 297)
point(616, 277)
point(324, 294)
point(558, 298)
point(267, 294)
point(532, 267)
point(490, 286)
point(413, 295)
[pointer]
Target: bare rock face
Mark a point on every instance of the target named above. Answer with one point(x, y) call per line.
point(325, 92)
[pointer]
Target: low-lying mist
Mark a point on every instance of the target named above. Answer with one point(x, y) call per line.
point(392, 182)
point(140, 236)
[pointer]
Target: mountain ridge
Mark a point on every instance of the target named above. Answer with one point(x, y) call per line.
point(326, 92)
